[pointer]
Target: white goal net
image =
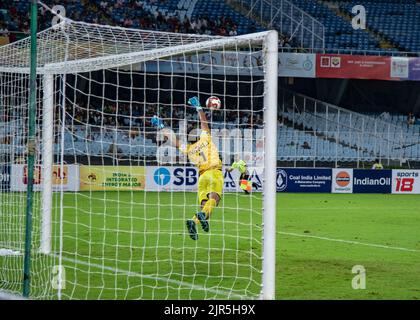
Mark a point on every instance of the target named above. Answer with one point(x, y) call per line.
point(117, 174)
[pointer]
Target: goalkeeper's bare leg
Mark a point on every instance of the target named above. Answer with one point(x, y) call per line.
point(203, 216)
point(207, 208)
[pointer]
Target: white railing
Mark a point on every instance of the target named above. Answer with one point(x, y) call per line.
point(337, 134)
point(301, 28)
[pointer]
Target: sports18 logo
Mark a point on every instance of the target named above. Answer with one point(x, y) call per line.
point(404, 184)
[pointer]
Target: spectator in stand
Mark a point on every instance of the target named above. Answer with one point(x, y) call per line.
point(119, 4)
point(104, 5)
point(222, 31)
point(3, 31)
point(26, 28)
point(286, 42)
point(253, 28)
point(377, 165)
point(306, 145)
point(128, 22)
point(203, 22)
point(233, 32)
point(131, 14)
point(411, 119)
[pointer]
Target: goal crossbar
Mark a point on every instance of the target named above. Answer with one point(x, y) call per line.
point(14, 57)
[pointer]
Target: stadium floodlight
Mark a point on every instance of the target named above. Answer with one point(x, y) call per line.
point(111, 195)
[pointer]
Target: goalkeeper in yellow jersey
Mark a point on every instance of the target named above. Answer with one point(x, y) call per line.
point(245, 182)
point(205, 156)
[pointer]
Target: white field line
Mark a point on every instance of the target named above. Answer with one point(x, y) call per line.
point(136, 274)
point(4, 295)
point(348, 241)
point(9, 252)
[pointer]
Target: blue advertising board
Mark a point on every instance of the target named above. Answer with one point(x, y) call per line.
point(372, 181)
point(4, 178)
point(303, 180)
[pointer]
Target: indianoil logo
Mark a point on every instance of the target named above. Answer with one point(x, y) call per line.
point(342, 179)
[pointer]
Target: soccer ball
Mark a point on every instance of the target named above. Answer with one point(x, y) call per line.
point(213, 103)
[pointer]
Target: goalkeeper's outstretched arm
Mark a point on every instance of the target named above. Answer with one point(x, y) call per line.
point(173, 139)
point(203, 121)
point(195, 102)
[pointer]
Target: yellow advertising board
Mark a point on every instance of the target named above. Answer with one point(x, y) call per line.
point(102, 178)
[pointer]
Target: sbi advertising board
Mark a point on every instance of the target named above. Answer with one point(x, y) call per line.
point(171, 178)
point(186, 179)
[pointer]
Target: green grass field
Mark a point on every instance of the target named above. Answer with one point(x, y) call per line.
point(134, 245)
point(321, 237)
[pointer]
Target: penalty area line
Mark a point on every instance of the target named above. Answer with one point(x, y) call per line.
point(136, 274)
point(348, 241)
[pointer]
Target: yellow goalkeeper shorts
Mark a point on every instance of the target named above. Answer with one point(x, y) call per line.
point(208, 182)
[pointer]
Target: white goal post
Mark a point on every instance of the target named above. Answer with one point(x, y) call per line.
point(270, 208)
point(75, 59)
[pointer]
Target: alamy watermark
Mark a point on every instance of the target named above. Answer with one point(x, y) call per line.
point(58, 281)
point(234, 143)
point(359, 280)
point(59, 15)
point(359, 20)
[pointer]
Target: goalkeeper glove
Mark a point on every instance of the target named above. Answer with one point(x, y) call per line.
point(195, 103)
point(157, 122)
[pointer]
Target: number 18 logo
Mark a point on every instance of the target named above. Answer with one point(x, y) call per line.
point(404, 184)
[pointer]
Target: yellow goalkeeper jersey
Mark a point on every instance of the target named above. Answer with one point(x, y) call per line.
point(203, 153)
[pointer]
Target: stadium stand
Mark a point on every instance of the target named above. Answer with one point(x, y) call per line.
point(219, 17)
point(339, 33)
point(297, 145)
point(354, 136)
point(396, 21)
point(214, 17)
point(301, 137)
point(385, 30)
point(303, 134)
